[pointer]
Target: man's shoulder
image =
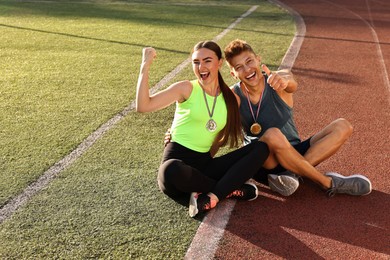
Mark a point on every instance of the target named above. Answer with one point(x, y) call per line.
point(235, 87)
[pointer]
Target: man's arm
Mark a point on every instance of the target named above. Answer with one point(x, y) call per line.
point(213, 150)
point(283, 83)
point(286, 75)
point(281, 80)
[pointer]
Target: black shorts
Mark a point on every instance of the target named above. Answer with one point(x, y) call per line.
point(261, 175)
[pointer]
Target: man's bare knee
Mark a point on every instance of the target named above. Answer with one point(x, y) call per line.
point(271, 134)
point(343, 127)
point(274, 138)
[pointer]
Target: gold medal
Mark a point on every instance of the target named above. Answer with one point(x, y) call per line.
point(255, 128)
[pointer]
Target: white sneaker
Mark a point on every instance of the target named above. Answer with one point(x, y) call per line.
point(284, 184)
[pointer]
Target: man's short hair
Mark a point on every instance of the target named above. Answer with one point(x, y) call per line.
point(235, 48)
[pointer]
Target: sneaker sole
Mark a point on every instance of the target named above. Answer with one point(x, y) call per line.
point(284, 192)
point(352, 176)
point(257, 190)
point(193, 205)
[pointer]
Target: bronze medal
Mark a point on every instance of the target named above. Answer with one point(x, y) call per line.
point(255, 128)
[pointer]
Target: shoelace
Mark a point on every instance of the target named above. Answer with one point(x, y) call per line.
point(330, 192)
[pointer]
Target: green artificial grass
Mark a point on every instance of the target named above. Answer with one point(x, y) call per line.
point(69, 67)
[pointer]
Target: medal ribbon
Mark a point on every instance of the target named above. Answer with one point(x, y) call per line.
point(250, 105)
point(207, 104)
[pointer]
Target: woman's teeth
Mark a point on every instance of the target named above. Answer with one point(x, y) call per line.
point(204, 75)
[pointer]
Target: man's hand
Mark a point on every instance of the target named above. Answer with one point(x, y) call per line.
point(276, 81)
point(167, 137)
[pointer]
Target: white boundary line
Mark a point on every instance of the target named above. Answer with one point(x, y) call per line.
point(210, 231)
point(295, 46)
point(385, 75)
point(14, 204)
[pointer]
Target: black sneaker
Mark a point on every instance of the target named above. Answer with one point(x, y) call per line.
point(353, 185)
point(248, 192)
point(199, 202)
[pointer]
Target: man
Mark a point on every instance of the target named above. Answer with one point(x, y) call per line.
point(266, 103)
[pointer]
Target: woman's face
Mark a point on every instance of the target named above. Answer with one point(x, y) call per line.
point(205, 64)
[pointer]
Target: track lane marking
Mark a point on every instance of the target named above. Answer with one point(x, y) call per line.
point(385, 75)
point(206, 240)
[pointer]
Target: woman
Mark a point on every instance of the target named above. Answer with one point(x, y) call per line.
point(206, 115)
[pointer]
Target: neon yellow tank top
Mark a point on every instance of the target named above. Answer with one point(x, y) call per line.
point(191, 116)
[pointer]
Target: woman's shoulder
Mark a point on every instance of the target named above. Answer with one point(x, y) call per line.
point(183, 83)
point(184, 87)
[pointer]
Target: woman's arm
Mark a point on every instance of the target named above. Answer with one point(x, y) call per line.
point(145, 102)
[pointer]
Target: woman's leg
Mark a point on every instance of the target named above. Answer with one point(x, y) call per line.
point(234, 169)
point(176, 178)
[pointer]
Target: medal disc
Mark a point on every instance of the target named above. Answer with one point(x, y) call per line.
point(211, 125)
point(255, 129)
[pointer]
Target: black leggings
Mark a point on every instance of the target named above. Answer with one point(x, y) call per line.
point(183, 170)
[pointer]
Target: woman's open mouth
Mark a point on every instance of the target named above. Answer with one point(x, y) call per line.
point(204, 75)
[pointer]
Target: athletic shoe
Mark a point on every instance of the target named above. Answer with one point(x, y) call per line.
point(353, 185)
point(285, 184)
point(199, 202)
point(248, 191)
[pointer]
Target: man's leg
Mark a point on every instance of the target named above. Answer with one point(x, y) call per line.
point(281, 152)
point(328, 141)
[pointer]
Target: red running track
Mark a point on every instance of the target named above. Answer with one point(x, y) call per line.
point(342, 69)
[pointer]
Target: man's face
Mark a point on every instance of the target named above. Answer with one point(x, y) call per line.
point(246, 67)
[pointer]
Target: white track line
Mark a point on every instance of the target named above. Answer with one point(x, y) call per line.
point(379, 50)
point(385, 75)
point(295, 46)
point(206, 240)
point(210, 231)
point(14, 204)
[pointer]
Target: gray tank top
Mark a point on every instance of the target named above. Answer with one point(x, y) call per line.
point(274, 112)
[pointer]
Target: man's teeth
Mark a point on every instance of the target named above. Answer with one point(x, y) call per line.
point(252, 75)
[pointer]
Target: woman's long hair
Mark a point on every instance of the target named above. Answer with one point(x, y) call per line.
point(232, 130)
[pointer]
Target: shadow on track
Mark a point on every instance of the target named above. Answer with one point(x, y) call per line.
point(285, 226)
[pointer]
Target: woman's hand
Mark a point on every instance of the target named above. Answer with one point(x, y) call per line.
point(148, 55)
